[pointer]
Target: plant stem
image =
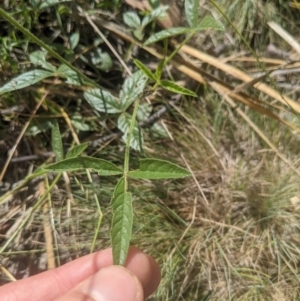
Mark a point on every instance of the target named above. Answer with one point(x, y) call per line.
point(99, 211)
point(169, 58)
point(36, 40)
point(185, 41)
point(127, 151)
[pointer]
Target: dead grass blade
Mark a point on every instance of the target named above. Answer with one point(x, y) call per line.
point(222, 88)
point(47, 230)
point(253, 59)
point(250, 102)
point(259, 132)
point(285, 35)
point(189, 121)
point(240, 75)
point(202, 77)
point(7, 273)
point(102, 36)
point(13, 149)
point(68, 121)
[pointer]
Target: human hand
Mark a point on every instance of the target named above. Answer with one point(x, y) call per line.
point(90, 278)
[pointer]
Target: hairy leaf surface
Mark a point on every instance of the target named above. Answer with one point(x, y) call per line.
point(137, 140)
point(103, 167)
point(133, 86)
point(154, 169)
point(209, 22)
point(25, 80)
point(57, 142)
point(102, 101)
point(173, 87)
point(121, 223)
point(167, 33)
point(76, 150)
point(191, 12)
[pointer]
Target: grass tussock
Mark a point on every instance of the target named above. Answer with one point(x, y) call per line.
point(243, 244)
point(233, 234)
point(250, 17)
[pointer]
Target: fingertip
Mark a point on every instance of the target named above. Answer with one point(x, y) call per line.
point(145, 268)
point(111, 283)
point(155, 277)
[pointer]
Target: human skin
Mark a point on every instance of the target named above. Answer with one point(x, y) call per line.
point(139, 278)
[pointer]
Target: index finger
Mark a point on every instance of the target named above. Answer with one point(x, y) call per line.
point(53, 284)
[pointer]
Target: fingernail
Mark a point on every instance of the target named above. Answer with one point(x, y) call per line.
point(114, 283)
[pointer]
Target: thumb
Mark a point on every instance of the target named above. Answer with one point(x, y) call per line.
point(113, 283)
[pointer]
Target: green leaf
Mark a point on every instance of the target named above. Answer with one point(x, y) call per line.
point(159, 12)
point(103, 167)
point(72, 76)
point(64, 10)
point(159, 130)
point(154, 169)
point(102, 101)
point(171, 86)
point(136, 141)
point(145, 69)
point(76, 150)
point(79, 122)
point(138, 33)
point(47, 3)
point(74, 40)
point(38, 58)
point(144, 111)
point(191, 12)
point(166, 34)
point(102, 60)
point(131, 19)
point(159, 69)
point(121, 223)
point(57, 145)
point(209, 22)
point(133, 86)
point(25, 80)
point(35, 3)
point(97, 42)
point(154, 3)
point(39, 125)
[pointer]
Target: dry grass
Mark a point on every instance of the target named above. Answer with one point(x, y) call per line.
point(231, 231)
point(245, 244)
point(252, 16)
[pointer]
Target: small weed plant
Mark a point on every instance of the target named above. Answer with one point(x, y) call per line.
point(104, 102)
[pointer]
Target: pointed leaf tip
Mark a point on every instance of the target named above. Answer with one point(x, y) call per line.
point(173, 87)
point(154, 169)
point(57, 144)
point(76, 150)
point(191, 12)
point(161, 35)
point(209, 22)
point(132, 19)
point(103, 167)
point(25, 80)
